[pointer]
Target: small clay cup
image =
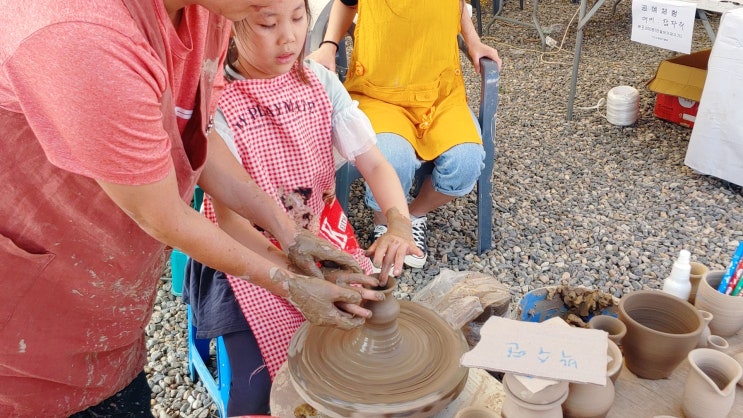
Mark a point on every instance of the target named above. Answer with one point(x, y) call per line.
point(718, 343)
point(727, 310)
point(661, 331)
point(695, 275)
point(616, 328)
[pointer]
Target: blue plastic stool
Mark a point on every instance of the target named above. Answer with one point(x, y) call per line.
point(198, 357)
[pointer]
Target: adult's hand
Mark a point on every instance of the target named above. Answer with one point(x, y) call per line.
point(308, 249)
point(392, 247)
point(357, 282)
point(318, 299)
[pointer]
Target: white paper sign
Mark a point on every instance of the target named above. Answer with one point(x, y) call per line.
point(540, 350)
point(667, 24)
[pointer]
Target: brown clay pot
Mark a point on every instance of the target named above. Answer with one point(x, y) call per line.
point(727, 310)
point(587, 400)
point(661, 330)
point(612, 325)
point(545, 396)
point(695, 275)
point(709, 391)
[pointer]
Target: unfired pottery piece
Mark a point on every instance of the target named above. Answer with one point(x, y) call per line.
point(695, 275)
point(709, 391)
point(718, 343)
point(706, 332)
point(475, 412)
point(514, 407)
point(587, 400)
point(727, 310)
point(661, 330)
point(612, 325)
point(403, 362)
point(616, 360)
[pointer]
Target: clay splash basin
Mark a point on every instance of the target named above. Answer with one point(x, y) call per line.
point(404, 362)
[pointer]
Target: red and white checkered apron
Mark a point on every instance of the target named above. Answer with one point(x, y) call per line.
point(282, 129)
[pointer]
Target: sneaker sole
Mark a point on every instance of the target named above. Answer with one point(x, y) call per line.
point(415, 262)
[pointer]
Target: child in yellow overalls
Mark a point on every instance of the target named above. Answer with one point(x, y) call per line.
point(405, 72)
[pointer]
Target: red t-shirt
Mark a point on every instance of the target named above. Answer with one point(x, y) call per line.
point(89, 83)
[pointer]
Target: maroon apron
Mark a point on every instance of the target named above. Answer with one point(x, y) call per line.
point(79, 277)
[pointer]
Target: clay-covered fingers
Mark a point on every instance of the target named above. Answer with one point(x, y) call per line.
point(319, 301)
point(347, 278)
point(308, 250)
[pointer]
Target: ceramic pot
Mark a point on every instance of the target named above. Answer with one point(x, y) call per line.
point(727, 310)
point(695, 275)
point(611, 325)
point(739, 358)
point(475, 412)
point(661, 330)
point(706, 332)
point(586, 400)
point(547, 395)
point(718, 343)
point(709, 391)
point(614, 366)
point(515, 407)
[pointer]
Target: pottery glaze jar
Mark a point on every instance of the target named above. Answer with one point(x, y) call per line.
point(727, 310)
point(709, 391)
point(661, 330)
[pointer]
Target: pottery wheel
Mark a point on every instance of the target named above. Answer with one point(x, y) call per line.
point(406, 366)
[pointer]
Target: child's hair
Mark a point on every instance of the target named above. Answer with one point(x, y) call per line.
point(240, 27)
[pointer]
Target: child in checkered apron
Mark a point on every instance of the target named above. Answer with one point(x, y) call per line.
point(282, 118)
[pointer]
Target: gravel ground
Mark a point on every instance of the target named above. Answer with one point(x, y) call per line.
point(579, 203)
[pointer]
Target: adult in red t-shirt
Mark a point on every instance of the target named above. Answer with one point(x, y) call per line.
point(104, 109)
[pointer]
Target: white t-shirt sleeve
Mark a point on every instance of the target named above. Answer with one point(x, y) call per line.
point(353, 134)
point(223, 129)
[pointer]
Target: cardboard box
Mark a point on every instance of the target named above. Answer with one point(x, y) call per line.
point(679, 83)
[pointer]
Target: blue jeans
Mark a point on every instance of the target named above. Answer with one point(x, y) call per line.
point(455, 172)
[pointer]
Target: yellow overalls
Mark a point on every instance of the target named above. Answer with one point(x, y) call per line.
point(406, 75)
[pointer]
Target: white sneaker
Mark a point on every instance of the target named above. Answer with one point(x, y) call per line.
point(419, 236)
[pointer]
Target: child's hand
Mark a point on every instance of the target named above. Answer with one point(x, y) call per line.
point(392, 247)
point(325, 56)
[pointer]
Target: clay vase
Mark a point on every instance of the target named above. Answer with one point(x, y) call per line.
point(520, 402)
point(695, 275)
point(718, 343)
point(475, 412)
point(709, 391)
point(611, 325)
point(616, 360)
point(706, 332)
point(661, 330)
point(727, 310)
point(587, 400)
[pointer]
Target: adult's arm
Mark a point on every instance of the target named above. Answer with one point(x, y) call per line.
point(340, 19)
point(477, 49)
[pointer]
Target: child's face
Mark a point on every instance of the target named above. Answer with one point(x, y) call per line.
point(271, 37)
